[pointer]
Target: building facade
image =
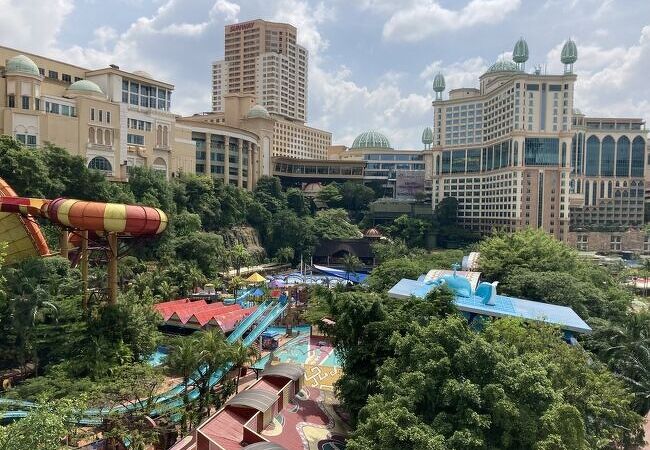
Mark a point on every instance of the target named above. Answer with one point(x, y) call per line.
point(114, 119)
point(516, 154)
point(263, 59)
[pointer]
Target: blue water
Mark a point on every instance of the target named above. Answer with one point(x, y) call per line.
point(158, 357)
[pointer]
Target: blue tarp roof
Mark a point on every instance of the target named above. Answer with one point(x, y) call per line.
point(349, 276)
point(561, 316)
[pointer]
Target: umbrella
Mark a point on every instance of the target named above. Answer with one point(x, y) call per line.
point(256, 278)
point(277, 283)
point(257, 293)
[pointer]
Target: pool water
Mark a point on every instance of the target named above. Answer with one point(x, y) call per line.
point(302, 349)
point(158, 357)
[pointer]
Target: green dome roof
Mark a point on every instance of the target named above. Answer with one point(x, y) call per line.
point(439, 82)
point(427, 136)
point(371, 139)
point(520, 52)
point(22, 64)
point(85, 87)
point(258, 112)
point(503, 65)
point(569, 52)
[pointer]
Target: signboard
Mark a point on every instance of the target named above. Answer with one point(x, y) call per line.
point(408, 183)
point(241, 26)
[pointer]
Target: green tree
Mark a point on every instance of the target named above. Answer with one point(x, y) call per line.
point(284, 255)
point(297, 202)
point(534, 250)
point(205, 250)
point(45, 427)
point(185, 357)
point(410, 230)
point(351, 263)
point(270, 186)
point(331, 195)
point(334, 224)
point(243, 356)
point(239, 257)
point(356, 197)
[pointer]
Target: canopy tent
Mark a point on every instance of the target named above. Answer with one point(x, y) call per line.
point(257, 293)
point(256, 278)
point(276, 283)
point(353, 277)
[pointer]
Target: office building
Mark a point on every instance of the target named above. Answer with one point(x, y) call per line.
point(263, 59)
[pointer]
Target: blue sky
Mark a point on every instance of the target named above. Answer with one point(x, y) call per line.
point(371, 61)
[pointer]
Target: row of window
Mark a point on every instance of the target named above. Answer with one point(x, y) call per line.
point(140, 94)
point(100, 115)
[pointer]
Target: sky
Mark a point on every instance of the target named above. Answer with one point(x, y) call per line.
point(371, 62)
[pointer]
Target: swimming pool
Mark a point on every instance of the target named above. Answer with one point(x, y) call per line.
point(158, 357)
point(302, 349)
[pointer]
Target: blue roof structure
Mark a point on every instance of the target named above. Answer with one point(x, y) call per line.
point(485, 303)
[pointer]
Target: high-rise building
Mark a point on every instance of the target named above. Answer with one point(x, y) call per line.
point(263, 58)
point(515, 153)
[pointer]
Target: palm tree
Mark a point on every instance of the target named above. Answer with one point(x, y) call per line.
point(351, 263)
point(239, 257)
point(235, 283)
point(215, 353)
point(183, 360)
point(646, 274)
point(243, 356)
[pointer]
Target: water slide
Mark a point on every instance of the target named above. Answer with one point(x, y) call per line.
point(268, 312)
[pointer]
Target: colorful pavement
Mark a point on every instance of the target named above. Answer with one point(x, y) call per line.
point(310, 422)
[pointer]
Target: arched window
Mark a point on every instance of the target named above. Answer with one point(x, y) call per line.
point(160, 165)
point(609, 190)
point(100, 137)
point(607, 157)
point(623, 157)
point(563, 154)
point(438, 164)
point(578, 186)
point(593, 151)
point(165, 136)
point(159, 135)
point(594, 192)
point(107, 137)
point(102, 164)
point(516, 158)
point(602, 189)
point(587, 193)
point(91, 135)
point(638, 155)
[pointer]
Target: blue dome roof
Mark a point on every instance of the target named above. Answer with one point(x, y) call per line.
point(569, 52)
point(85, 87)
point(520, 52)
point(21, 64)
point(439, 82)
point(371, 139)
point(503, 65)
point(427, 136)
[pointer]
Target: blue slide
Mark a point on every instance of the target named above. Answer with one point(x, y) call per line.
point(268, 312)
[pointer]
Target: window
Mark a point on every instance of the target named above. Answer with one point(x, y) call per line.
point(135, 139)
point(623, 157)
point(102, 164)
point(541, 151)
point(607, 157)
point(615, 243)
point(92, 113)
point(91, 135)
point(37, 104)
point(67, 78)
point(101, 115)
point(107, 137)
point(593, 157)
point(21, 138)
point(25, 100)
point(52, 74)
point(638, 145)
point(31, 140)
point(11, 101)
point(108, 117)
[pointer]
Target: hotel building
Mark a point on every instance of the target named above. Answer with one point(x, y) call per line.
point(516, 153)
point(263, 58)
point(112, 118)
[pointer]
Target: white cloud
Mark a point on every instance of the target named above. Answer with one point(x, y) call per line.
point(229, 10)
point(458, 74)
point(104, 35)
point(425, 19)
point(611, 81)
point(32, 24)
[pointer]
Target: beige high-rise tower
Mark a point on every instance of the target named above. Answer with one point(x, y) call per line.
point(262, 58)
